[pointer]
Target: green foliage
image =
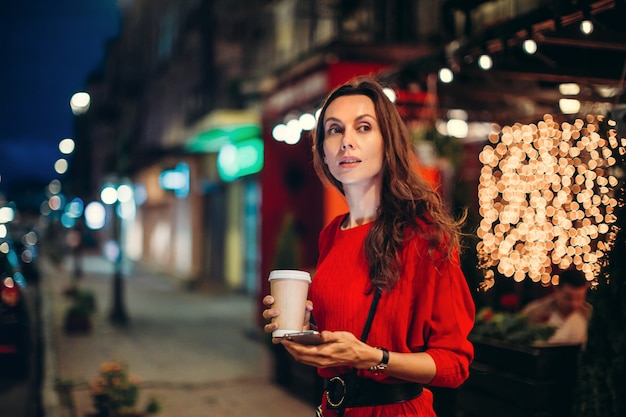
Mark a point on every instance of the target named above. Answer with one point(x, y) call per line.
point(154, 406)
point(83, 302)
point(78, 314)
point(288, 245)
point(601, 388)
point(64, 389)
point(114, 392)
point(510, 327)
point(447, 147)
point(601, 383)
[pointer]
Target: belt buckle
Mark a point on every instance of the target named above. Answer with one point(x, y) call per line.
point(333, 381)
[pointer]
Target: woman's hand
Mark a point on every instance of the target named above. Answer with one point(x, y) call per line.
point(271, 314)
point(338, 349)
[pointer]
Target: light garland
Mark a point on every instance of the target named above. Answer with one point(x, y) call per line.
point(546, 199)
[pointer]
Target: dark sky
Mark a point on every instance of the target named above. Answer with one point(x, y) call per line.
point(47, 50)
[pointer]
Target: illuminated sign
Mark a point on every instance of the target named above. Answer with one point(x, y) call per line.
point(213, 139)
point(176, 180)
point(240, 159)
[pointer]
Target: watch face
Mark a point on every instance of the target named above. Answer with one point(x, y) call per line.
point(380, 368)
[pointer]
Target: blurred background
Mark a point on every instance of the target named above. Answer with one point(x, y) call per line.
point(176, 134)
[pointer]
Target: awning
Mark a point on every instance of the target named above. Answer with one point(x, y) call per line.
point(222, 127)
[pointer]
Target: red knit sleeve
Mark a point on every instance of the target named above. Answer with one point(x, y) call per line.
point(452, 320)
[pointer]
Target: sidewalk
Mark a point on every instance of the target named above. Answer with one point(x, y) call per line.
point(192, 350)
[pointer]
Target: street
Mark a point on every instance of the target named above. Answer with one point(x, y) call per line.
point(197, 352)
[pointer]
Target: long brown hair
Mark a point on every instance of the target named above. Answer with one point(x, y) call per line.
point(408, 203)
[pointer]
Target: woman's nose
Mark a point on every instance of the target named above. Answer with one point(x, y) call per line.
point(346, 142)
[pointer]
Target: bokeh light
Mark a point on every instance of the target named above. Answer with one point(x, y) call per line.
point(390, 93)
point(75, 208)
point(124, 193)
point(108, 195)
point(66, 146)
point(7, 214)
point(546, 200)
point(446, 75)
point(60, 166)
point(54, 187)
point(530, 46)
point(79, 103)
point(95, 215)
point(307, 121)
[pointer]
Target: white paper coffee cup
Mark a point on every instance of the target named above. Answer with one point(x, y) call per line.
point(290, 288)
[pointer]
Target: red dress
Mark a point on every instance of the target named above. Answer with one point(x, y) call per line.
point(429, 310)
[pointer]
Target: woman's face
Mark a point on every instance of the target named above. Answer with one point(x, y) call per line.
point(353, 143)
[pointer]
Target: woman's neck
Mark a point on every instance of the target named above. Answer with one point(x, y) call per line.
point(363, 209)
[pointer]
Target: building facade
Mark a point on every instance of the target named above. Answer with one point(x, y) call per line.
point(167, 97)
point(197, 82)
point(191, 94)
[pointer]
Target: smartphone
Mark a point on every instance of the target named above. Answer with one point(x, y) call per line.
point(309, 337)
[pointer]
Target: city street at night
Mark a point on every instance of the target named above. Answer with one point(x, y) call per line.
point(194, 351)
point(463, 160)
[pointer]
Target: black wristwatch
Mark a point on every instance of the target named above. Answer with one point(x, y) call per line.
point(382, 366)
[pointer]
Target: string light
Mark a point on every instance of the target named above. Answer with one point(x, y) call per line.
point(485, 62)
point(546, 200)
point(530, 46)
point(446, 75)
point(586, 27)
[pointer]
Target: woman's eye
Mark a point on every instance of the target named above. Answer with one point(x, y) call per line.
point(364, 128)
point(332, 130)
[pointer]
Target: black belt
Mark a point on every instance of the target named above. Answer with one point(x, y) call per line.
point(345, 391)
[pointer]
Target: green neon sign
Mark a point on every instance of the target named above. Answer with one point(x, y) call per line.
point(236, 160)
point(212, 140)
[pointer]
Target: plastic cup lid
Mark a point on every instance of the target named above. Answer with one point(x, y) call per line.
point(289, 274)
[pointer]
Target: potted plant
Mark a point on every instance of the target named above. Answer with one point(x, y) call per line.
point(114, 393)
point(78, 315)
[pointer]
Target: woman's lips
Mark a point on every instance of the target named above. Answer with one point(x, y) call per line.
point(349, 161)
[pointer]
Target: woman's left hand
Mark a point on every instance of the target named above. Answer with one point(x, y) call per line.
point(338, 349)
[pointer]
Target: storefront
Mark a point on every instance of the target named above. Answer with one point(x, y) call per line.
point(197, 215)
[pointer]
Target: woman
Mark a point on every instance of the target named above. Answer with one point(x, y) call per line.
point(396, 239)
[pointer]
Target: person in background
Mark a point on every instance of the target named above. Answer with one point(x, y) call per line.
point(566, 308)
point(397, 239)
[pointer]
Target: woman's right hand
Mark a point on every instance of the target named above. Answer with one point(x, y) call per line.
point(271, 314)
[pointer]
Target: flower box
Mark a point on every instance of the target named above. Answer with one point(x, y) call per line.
point(508, 379)
point(539, 361)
